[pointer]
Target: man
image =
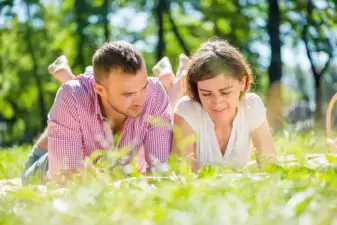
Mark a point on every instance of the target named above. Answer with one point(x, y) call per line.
point(91, 112)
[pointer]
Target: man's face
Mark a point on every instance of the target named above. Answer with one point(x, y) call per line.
point(125, 93)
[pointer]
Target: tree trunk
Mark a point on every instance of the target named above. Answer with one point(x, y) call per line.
point(176, 31)
point(318, 75)
point(160, 9)
point(81, 24)
point(275, 101)
point(105, 20)
point(37, 78)
point(318, 100)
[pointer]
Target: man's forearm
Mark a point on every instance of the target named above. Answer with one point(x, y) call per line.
point(42, 142)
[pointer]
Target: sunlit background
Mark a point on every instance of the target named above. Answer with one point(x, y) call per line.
point(291, 45)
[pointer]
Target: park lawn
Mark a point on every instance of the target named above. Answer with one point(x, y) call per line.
point(302, 190)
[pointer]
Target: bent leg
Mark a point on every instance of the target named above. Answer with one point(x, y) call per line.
point(40, 148)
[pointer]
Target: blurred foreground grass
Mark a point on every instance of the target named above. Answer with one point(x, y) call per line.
point(301, 192)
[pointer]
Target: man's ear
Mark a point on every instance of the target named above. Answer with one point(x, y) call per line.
point(99, 89)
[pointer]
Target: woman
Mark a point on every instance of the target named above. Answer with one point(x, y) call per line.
point(218, 110)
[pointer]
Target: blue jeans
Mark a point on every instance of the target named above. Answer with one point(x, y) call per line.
point(36, 167)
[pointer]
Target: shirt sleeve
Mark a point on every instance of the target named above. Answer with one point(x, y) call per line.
point(64, 134)
point(158, 138)
point(256, 111)
point(186, 108)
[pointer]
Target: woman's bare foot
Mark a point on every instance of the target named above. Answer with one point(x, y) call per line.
point(163, 70)
point(173, 84)
point(184, 61)
point(60, 69)
point(176, 90)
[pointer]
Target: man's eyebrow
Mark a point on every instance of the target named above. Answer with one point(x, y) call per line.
point(130, 93)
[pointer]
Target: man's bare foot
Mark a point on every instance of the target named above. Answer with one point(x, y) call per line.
point(163, 70)
point(60, 69)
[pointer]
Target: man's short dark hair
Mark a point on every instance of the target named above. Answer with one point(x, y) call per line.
point(116, 55)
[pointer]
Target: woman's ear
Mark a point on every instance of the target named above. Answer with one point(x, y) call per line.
point(99, 89)
point(243, 84)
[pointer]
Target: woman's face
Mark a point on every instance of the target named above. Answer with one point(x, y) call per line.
point(220, 95)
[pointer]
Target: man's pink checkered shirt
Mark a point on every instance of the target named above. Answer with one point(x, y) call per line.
point(76, 127)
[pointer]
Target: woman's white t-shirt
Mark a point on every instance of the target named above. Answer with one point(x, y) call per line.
point(251, 114)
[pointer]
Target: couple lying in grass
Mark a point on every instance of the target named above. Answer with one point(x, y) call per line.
point(119, 106)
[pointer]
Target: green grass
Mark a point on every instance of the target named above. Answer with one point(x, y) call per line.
point(12, 160)
point(300, 193)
